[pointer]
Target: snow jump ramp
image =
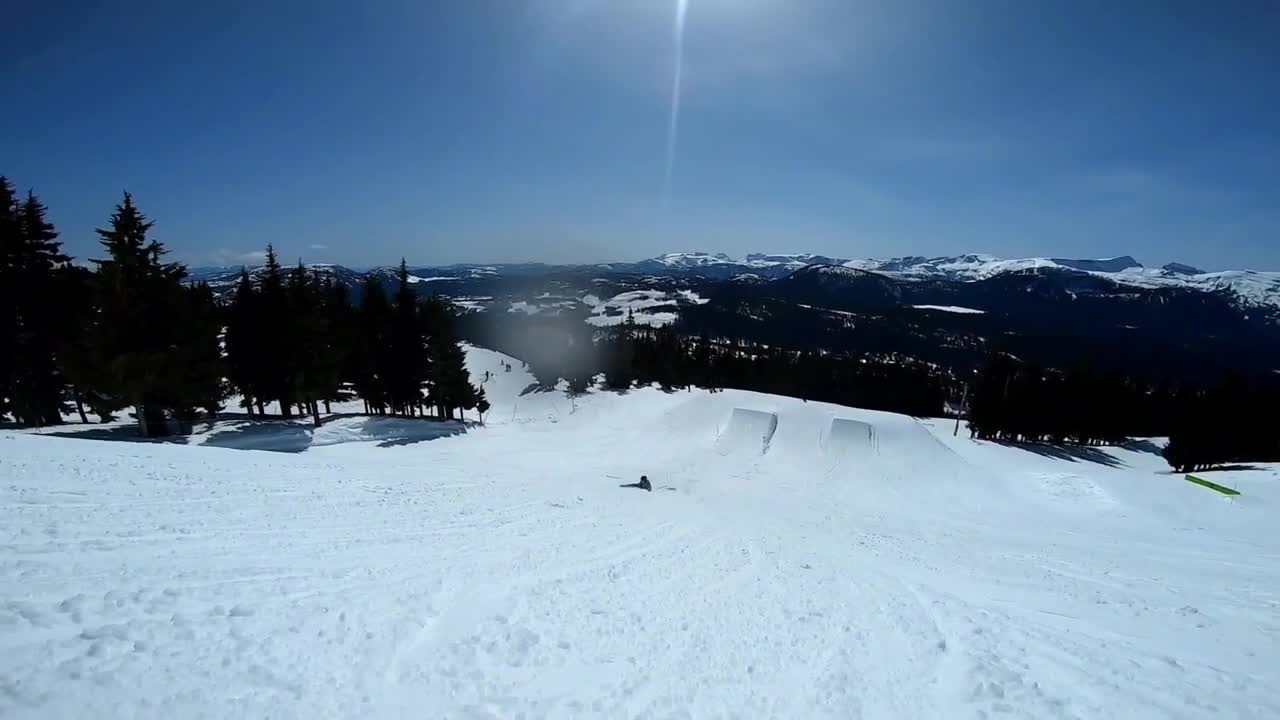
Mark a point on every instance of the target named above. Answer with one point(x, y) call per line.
point(846, 436)
point(746, 432)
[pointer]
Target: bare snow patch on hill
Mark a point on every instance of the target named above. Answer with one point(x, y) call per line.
point(951, 309)
point(648, 307)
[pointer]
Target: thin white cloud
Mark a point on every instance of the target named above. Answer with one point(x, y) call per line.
point(318, 246)
point(224, 256)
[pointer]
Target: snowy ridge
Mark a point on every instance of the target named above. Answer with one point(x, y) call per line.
point(1250, 288)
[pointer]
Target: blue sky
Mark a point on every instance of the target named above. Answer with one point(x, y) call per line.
point(489, 130)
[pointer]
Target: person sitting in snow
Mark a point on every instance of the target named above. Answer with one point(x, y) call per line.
point(643, 484)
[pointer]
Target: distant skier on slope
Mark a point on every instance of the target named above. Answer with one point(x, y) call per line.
point(643, 484)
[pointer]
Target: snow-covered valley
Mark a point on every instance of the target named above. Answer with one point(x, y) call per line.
point(793, 560)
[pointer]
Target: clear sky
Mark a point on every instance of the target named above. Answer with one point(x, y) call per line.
point(505, 130)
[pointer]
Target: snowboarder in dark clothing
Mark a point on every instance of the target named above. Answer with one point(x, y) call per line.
point(643, 484)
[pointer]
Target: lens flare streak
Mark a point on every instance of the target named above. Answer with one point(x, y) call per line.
point(673, 122)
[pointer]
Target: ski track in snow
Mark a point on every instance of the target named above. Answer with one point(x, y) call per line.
point(502, 573)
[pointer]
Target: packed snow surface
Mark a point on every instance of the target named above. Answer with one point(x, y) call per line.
point(794, 560)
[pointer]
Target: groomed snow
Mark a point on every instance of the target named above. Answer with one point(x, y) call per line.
point(850, 564)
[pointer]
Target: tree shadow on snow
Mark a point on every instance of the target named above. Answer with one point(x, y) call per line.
point(295, 437)
point(1071, 453)
point(1223, 468)
point(115, 433)
point(1145, 446)
point(264, 435)
point(294, 419)
point(535, 388)
point(426, 431)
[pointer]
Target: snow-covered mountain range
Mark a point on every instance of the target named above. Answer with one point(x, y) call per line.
point(1251, 288)
point(1247, 288)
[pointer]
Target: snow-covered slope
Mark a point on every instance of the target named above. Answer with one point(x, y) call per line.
point(794, 560)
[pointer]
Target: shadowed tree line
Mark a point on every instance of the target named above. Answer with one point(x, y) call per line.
point(294, 338)
point(132, 332)
point(565, 348)
point(1226, 422)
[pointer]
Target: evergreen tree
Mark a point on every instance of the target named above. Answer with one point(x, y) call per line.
point(302, 342)
point(988, 401)
point(276, 331)
point(482, 404)
point(244, 342)
point(370, 355)
point(408, 370)
point(86, 375)
point(618, 355)
point(314, 359)
point(343, 339)
point(702, 362)
point(39, 317)
point(8, 287)
point(450, 383)
point(199, 354)
point(150, 327)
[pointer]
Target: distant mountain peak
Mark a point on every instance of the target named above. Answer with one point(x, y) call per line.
point(693, 258)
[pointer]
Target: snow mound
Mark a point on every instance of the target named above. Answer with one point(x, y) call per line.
point(747, 431)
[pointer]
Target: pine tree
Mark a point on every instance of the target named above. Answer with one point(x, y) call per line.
point(8, 287)
point(330, 348)
point(341, 322)
point(275, 332)
point(702, 362)
point(408, 366)
point(85, 374)
point(370, 355)
point(200, 353)
point(450, 383)
point(482, 404)
point(40, 318)
point(152, 334)
point(243, 342)
point(314, 360)
point(988, 402)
